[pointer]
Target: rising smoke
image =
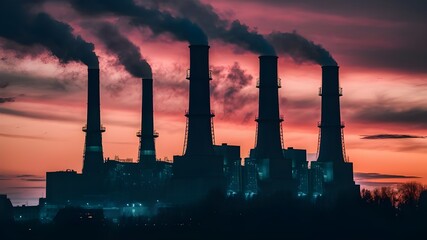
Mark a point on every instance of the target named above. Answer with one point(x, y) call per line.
point(128, 53)
point(157, 21)
point(20, 25)
point(233, 32)
point(300, 49)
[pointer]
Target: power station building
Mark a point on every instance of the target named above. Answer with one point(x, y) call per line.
point(106, 181)
point(205, 167)
point(272, 168)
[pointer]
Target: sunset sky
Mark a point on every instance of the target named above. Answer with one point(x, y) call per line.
point(380, 47)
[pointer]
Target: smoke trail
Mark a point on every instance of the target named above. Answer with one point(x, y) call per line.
point(128, 54)
point(233, 32)
point(292, 44)
point(240, 34)
point(300, 49)
point(21, 26)
point(158, 22)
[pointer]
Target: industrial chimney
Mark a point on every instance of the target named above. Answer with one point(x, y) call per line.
point(199, 115)
point(268, 143)
point(93, 155)
point(199, 170)
point(274, 171)
point(147, 150)
point(331, 144)
point(332, 175)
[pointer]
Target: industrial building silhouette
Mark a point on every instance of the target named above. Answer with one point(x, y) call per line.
point(205, 167)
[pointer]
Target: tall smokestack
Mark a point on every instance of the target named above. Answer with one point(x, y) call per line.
point(147, 150)
point(331, 145)
point(268, 144)
point(199, 131)
point(199, 170)
point(331, 174)
point(93, 156)
point(274, 171)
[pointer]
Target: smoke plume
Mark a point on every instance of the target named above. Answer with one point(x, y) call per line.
point(157, 21)
point(233, 32)
point(229, 92)
point(128, 53)
point(20, 25)
point(300, 49)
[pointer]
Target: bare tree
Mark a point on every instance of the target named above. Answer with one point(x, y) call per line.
point(409, 194)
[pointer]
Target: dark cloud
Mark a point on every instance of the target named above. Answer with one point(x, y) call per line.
point(217, 27)
point(34, 179)
point(414, 117)
point(308, 103)
point(23, 177)
point(128, 53)
point(20, 136)
point(390, 136)
point(31, 29)
point(362, 175)
point(370, 34)
point(39, 115)
point(413, 147)
point(411, 10)
point(405, 56)
point(378, 184)
point(300, 49)
point(26, 176)
point(371, 179)
point(42, 88)
point(7, 99)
